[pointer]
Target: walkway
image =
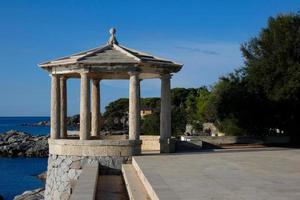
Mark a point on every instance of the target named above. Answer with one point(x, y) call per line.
point(233, 175)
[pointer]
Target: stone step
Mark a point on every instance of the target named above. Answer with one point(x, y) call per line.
point(135, 187)
point(87, 183)
point(153, 183)
point(111, 187)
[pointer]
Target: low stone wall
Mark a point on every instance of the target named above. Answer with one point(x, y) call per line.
point(64, 171)
point(94, 147)
point(67, 157)
point(238, 139)
point(150, 142)
point(86, 187)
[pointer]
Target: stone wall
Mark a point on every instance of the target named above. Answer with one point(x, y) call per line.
point(64, 171)
point(75, 147)
point(150, 142)
point(219, 140)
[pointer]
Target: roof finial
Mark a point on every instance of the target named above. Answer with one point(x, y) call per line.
point(112, 39)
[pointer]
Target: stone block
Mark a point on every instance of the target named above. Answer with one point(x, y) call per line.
point(76, 164)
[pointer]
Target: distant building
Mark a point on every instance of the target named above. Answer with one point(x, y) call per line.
point(146, 111)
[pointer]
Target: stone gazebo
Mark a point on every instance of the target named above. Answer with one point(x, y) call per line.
point(111, 61)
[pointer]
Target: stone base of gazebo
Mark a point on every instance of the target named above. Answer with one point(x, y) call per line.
point(167, 145)
point(68, 156)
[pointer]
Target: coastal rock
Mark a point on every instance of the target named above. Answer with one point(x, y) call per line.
point(37, 194)
point(42, 176)
point(41, 123)
point(15, 143)
point(72, 123)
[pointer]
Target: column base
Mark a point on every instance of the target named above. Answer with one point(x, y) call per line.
point(137, 147)
point(167, 145)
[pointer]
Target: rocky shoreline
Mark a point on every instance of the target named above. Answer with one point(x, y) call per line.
point(19, 144)
point(37, 194)
point(72, 123)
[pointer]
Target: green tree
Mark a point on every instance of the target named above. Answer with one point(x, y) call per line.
point(272, 67)
point(203, 113)
point(178, 120)
point(180, 95)
point(114, 112)
point(153, 103)
point(150, 124)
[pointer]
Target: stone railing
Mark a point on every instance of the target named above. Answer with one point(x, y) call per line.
point(94, 147)
point(219, 140)
point(150, 142)
point(86, 186)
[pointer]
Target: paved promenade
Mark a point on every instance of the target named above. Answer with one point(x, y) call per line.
point(234, 175)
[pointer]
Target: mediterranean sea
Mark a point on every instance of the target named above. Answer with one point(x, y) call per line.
point(19, 174)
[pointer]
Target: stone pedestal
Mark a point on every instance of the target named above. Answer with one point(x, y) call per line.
point(67, 157)
point(64, 171)
point(167, 145)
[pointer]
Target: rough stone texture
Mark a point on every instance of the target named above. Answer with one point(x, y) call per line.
point(14, 143)
point(64, 171)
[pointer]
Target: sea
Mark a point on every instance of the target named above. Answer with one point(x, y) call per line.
point(19, 174)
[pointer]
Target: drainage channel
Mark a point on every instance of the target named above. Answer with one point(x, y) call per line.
point(111, 187)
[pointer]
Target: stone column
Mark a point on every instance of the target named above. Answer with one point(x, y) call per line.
point(165, 113)
point(63, 107)
point(84, 107)
point(134, 106)
point(55, 107)
point(95, 107)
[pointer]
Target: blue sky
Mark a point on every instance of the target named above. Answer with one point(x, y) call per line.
point(203, 35)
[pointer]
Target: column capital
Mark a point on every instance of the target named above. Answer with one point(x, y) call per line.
point(52, 74)
point(62, 77)
point(165, 76)
point(84, 73)
point(96, 79)
point(133, 73)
